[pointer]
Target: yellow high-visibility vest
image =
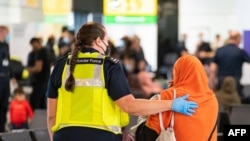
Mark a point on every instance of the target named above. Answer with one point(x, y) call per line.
point(89, 105)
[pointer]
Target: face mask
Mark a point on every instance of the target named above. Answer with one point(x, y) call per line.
point(128, 67)
point(108, 50)
point(120, 43)
point(7, 38)
point(66, 40)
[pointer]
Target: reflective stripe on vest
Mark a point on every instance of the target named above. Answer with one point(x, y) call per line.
point(96, 81)
point(90, 104)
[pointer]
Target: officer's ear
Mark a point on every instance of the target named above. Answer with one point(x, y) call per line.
point(98, 41)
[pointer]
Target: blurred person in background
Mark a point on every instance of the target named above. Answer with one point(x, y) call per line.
point(5, 77)
point(133, 61)
point(19, 72)
point(50, 47)
point(31, 63)
point(121, 44)
point(133, 55)
point(227, 94)
point(40, 38)
point(181, 45)
point(127, 56)
point(204, 53)
point(124, 42)
point(40, 72)
point(169, 52)
point(114, 53)
point(72, 40)
point(226, 41)
point(228, 61)
point(148, 85)
point(217, 43)
point(64, 42)
point(128, 63)
point(203, 50)
point(138, 55)
point(88, 78)
point(137, 69)
point(20, 110)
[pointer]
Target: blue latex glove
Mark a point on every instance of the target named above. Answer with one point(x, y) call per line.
point(183, 106)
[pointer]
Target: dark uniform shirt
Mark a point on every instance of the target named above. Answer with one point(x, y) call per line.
point(115, 80)
point(116, 84)
point(230, 59)
point(205, 46)
point(5, 60)
point(42, 55)
point(31, 59)
point(5, 75)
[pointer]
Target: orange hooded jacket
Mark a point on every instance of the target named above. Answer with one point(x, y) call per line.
point(189, 77)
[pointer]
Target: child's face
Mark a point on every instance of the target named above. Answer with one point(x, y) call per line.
point(20, 97)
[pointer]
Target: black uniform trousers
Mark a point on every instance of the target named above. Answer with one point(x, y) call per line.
point(4, 101)
point(85, 134)
point(37, 97)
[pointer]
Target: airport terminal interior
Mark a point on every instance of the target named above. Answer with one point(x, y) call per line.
point(146, 36)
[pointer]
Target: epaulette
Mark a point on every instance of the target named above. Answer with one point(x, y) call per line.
point(61, 58)
point(113, 60)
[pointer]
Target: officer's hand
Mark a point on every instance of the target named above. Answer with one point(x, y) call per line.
point(183, 106)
